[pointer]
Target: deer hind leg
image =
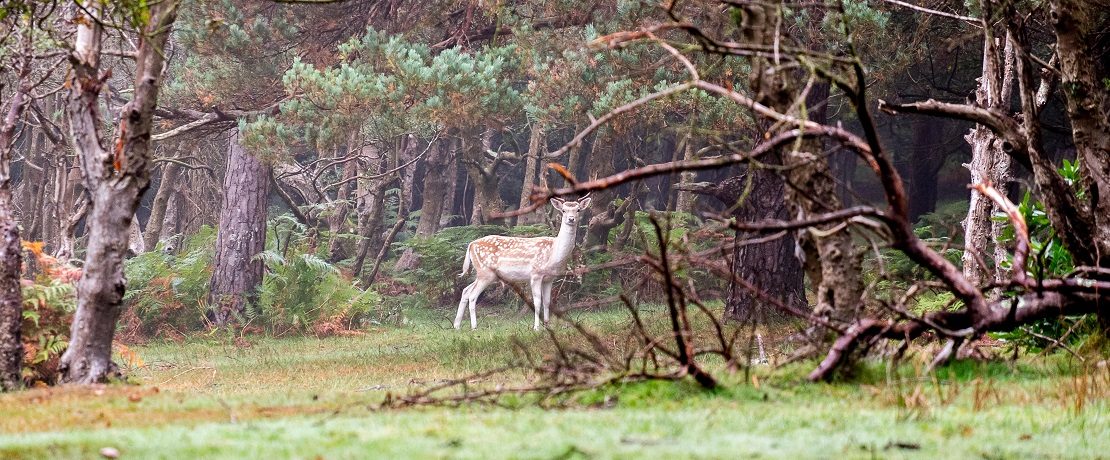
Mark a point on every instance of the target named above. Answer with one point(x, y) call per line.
point(463, 301)
point(480, 285)
point(547, 300)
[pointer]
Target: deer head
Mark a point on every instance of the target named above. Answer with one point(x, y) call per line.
point(570, 209)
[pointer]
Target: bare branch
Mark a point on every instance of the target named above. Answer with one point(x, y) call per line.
point(968, 19)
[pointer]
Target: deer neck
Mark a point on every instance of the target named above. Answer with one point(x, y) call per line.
point(564, 244)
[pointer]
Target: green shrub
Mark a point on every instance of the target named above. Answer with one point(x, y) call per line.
point(49, 300)
point(168, 293)
point(48, 307)
point(300, 292)
point(303, 293)
point(1047, 258)
point(944, 222)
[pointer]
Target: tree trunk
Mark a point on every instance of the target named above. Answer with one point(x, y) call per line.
point(370, 205)
point(483, 173)
point(832, 262)
point(337, 220)
point(11, 252)
point(237, 273)
point(31, 191)
point(629, 224)
point(685, 200)
point(537, 147)
point(435, 189)
point(407, 149)
point(70, 208)
point(574, 157)
point(453, 199)
point(135, 243)
point(599, 163)
point(157, 219)
point(11, 295)
point(172, 221)
point(987, 158)
point(1078, 24)
point(770, 266)
point(115, 179)
point(926, 159)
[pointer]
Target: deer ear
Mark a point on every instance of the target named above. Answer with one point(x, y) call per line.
point(557, 203)
point(584, 203)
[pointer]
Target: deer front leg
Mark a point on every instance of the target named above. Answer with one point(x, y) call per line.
point(463, 301)
point(537, 299)
point(547, 300)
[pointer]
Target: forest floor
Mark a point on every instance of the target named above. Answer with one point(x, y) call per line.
point(210, 397)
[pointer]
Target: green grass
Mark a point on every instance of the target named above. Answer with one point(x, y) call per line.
point(309, 398)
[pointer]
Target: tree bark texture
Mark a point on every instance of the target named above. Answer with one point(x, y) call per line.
point(537, 147)
point(685, 200)
point(337, 217)
point(237, 272)
point(136, 244)
point(369, 205)
point(407, 149)
point(1077, 24)
point(115, 179)
point(771, 266)
point(452, 214)
point(483, 174)
point(166, 187)
point(30, 192)
point(987, 161)
point(172, 221)
point(62, 210)
point(599, 163)
point(11, 294)
point(831, 260)
point(437, 165)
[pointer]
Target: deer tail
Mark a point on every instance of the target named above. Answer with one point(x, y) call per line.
point(466, 262)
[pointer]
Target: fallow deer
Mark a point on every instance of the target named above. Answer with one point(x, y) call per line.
point(513, 259)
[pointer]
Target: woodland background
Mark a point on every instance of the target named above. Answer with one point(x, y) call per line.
point(832, 185)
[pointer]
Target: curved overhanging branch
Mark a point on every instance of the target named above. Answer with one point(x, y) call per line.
point(1008, 314)
point(540, 196)
point(1022, 143)
point(1013, 137)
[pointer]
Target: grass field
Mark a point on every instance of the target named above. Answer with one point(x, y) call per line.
point(317, 398)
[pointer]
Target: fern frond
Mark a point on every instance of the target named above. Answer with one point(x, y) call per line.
point(271, 258)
